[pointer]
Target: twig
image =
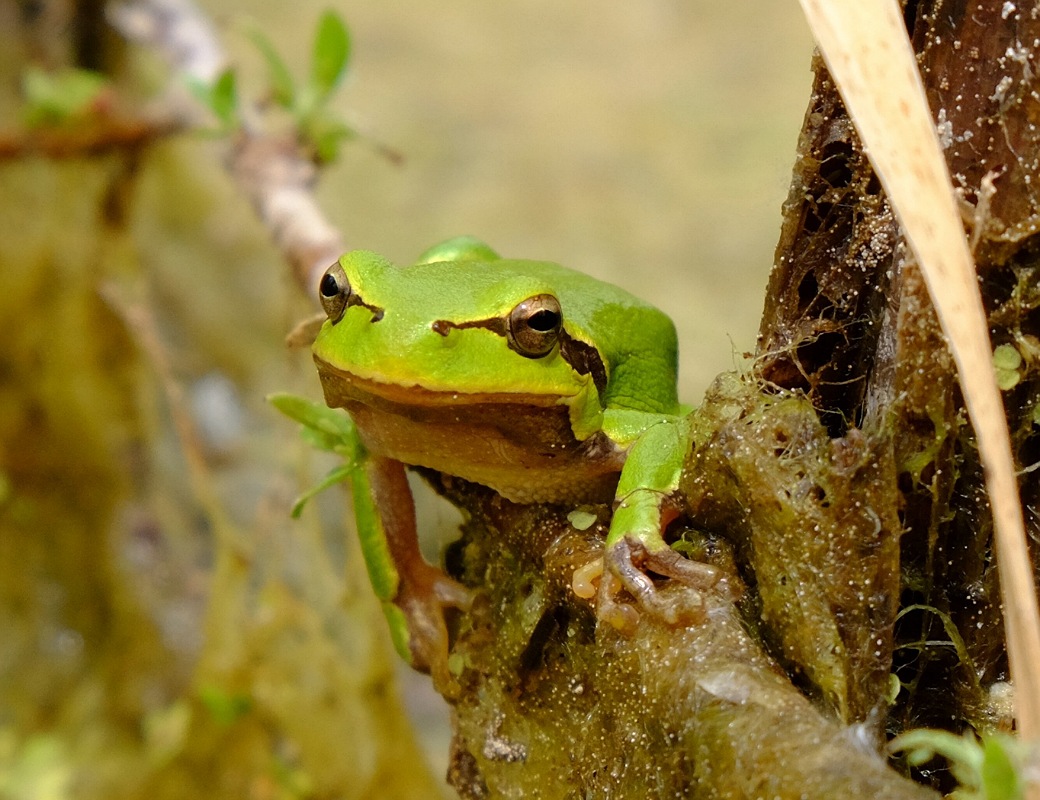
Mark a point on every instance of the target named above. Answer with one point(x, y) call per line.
point(279, 182)
point(272, 172)
point(96, 138)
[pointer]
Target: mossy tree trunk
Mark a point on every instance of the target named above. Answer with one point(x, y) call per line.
point(848, 323)
point(837, 481)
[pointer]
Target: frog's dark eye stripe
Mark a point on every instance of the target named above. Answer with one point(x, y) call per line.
point(585, 359)
point(336, 295)
point(531, 328)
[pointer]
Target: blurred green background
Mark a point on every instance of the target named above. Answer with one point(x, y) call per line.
point(167, 630)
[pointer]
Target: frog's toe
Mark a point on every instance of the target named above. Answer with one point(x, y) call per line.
point(451, 594)
point(669, 563)
point(628, 563)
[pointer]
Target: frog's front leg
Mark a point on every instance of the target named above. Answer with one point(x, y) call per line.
point(645, 505)
point(414, 594)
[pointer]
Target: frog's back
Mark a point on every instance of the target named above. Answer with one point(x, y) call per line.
point(635, 341)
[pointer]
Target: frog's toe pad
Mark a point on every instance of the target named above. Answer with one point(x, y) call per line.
point(452, 594)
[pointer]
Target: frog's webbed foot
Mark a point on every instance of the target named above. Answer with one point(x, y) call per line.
point(425, 597)
point(627, 563)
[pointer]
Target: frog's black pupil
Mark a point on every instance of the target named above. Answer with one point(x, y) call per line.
point(329, 286)
point(544, 320)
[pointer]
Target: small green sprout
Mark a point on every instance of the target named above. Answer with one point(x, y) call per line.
point(225, 707)
point(986, 769)
point(220, 97)
point(325, 429)
point(53, 98)
point(319, 127)
point(581, 520)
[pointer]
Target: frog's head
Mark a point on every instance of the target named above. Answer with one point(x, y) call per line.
point(462, 327)
point(493, 370)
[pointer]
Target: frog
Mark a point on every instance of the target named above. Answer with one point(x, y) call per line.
point(542, 383)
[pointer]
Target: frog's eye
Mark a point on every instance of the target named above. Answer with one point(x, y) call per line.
point(534, 325)
point(334, 292)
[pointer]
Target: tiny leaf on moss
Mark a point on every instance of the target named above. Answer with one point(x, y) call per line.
point(225, 707)
point(1007, 356)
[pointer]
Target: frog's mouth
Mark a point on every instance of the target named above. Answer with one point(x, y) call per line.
point(344, 389)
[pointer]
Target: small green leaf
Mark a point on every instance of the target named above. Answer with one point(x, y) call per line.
point(684, 548)
point(1008, 379)
point(318, 416)
point(337, 475)
point(331, 52)
point(581, 520)
point(1000, 779)
point(283, 91)
point(895, 686)
point(224, 707)
point(456, 663)
point(220, 97)
point(1006, 356)
point(201, 90)
point(224, 97)
point(986, 769)
point(321, 440)
point(921, 745)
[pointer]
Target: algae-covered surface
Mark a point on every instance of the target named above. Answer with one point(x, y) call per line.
point(698, 710)
point(835, 481)
point(167, 630)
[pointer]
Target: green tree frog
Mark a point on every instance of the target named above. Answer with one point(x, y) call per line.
point(535, 380)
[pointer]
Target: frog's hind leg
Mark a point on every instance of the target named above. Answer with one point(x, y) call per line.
point(415, 594)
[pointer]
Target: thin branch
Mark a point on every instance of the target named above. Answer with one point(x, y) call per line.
point(96, 138)
point(271, 171)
